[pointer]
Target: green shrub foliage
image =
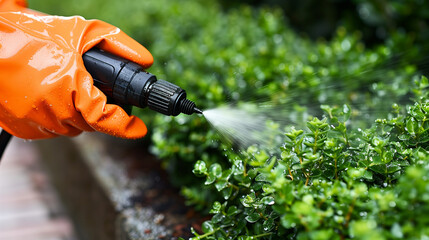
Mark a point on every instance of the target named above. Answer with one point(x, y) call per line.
point(333, 177)
point(329, 182)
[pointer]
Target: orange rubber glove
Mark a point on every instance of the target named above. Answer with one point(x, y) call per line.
point(45, 90)
point(13, 5)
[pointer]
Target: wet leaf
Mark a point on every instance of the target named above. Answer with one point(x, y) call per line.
point(268, 224)
point(200, 168)
point(207, 227)
point(253, 217)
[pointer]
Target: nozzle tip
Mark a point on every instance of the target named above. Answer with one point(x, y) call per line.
point(197, 110)
point(188, 107)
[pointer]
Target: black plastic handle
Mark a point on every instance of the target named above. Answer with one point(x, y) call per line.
point(126, 83)
point(123, 81)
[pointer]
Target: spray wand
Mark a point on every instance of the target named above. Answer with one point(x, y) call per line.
point(127, 84)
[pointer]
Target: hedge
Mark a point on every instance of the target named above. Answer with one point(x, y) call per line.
point(353, 167)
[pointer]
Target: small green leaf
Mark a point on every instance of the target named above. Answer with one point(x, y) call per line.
point(261, 157)
point(294, 134)
point(217, 218)
point(424, 83)
point(210, 179)
point(252, 173)
point(328, 109)
point(216, 208)
point(387, 156)
point(253, 217)
point(417, 113)
point(379, 142)
point(207, 227)
point(226, 193)
point(221, 184)
point(216, 170)
point(268, 189)
point(356, 173)
point(268, 224)
point(347, 112)
point(261, 178)
point(411, 126)
point(200, 168)
point(248, 200)
point(226, 174)
point(268, 200)
point(232, 211)
point(368, 175)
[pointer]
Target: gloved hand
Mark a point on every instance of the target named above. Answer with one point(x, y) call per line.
point(45, 90)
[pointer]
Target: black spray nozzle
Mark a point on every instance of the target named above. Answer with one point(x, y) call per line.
point(169, 99)
point(128, 84)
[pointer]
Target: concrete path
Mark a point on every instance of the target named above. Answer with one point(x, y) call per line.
point(29, 208)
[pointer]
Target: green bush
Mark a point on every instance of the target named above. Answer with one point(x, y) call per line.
point(335, 178)
point(330, 182)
